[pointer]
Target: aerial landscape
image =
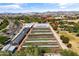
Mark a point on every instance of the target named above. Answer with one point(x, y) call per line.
point(39, 29)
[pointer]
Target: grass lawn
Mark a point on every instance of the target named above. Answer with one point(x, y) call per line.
point(73, 40)
point(3, 39)
point(4, 24)
point(67, 34)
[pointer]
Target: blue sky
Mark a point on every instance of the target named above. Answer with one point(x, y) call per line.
point(37, 7)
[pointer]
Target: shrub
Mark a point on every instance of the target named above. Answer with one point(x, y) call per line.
point(5, 30)
point(69, 45)
point(62, 37)
point(68, 53)
point(65, 40)
point(77, 34)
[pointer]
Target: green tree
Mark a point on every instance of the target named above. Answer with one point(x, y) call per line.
point(30, 51)
point(36, 51)
point(68, 53)
point(4, 24)
point(5, 53)
point(17, 22)
point(3, 39)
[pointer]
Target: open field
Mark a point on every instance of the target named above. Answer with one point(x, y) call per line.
point(73, 40)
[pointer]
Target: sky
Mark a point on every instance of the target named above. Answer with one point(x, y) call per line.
point(37, 7)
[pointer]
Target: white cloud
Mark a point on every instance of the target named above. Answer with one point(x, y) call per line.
point(25, 11)
point(12, 6)
point(17, 8)
point(40, 1)
point(63, 6)
point(15, 11)
point(69, 6)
